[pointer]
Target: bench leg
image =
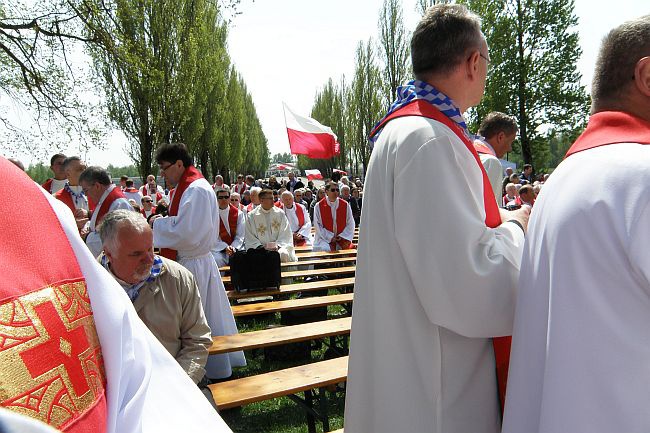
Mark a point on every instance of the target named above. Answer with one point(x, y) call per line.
point(311, 422)
point(322, 396)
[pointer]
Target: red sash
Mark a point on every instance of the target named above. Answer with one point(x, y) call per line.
point(250, 207)
point(144, 214)
point(341, 219)
point(52, 367)
point(300, 214)
point(611, 127)
point(47, 185)
point(492, 216)
point(66, 198)
point(233, 213)
point(131, 189)
point(106, 205)
point(483, 148)
point(189, 175)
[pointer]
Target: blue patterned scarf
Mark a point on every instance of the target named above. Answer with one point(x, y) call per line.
point(134, 290)
point(417, 89)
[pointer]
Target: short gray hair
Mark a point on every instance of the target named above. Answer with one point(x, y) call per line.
point(114, 221)
point(95, 174)
point(256, 190)
point(69, 160)
point(443, 38)
point(619, 53)
point(287, 193)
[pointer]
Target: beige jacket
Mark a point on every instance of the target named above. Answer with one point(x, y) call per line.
point(171, 308)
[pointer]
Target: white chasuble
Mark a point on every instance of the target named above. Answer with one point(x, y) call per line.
point(264, 226)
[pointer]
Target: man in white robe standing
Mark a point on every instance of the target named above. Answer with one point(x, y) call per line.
point(267, 227)
point(232, 227)
point(581, 340)
point(434, 283)
point(96, 184)
point(130, 383)
point(334, 221)
point(187, 235)
point(497, 132)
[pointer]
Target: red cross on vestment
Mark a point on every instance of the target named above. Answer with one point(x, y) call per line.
point(63, 348)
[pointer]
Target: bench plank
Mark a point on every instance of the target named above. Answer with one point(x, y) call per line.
point(319, 254)
point(276, 336)
point(238, 392)
point(295, 288)
point(291, 304)
point(321, 261)
point(308, 273)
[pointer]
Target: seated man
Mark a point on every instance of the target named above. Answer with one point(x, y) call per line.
point(148, 208)
point(268, 227)
point(153, 190)
point(164, 293)
point(255, 199)
point(526, 196)
point(131, 192)
point(333, 220)
point(511, 195)
point(232, 226)
point(299, 221)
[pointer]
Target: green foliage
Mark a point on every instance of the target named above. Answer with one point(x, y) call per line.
point(39, 172)
point(127, 170)
point(393, 49)
point(281, 157)
point(534, 50)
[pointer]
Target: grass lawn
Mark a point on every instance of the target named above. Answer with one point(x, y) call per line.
point(280, 414)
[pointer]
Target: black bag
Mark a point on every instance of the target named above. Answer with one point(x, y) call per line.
point(255, 269)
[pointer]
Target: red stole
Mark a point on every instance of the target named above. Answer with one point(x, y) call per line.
point(300, 214)
point(422, 108)
point(144, 212)
point(52, 367)
point(483, 148)
point(66, 198)
point(106, 204)
point(47, 185)
point(131, 189)
point(250, 207)
point(341, 219)
point(233, 213)
point(189, 175)
point(610, 127)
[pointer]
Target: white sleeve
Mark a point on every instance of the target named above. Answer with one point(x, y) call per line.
point(464, 273)
point(323, 233)
point(305, 230)
point(238, 242)
point(348, 233)
point(120, 203)
point(285, 237)
point(186, 230)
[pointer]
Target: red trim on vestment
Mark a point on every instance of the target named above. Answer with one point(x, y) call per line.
point(233, 213)
point(47, 185)
point(483, 148)
point(341, 220)
point(422, 108)
point(189, 175)
point(47, 333)
point(300, 214)
point(110, 198)
point(611, 127)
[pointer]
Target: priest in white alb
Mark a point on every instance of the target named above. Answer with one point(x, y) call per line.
point(435, 279)
point(96, 184)
point(334, 221)
point(232, 226)
point(299, 221)
point(267, 227)
point(187, 235)
point(581, 344)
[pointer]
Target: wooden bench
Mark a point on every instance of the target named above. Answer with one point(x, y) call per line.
point(295, 288)
point(291, 304)
point(287, 382)
point(322, 254)
point(308, 273)
point(277, 336)
point(321, 261)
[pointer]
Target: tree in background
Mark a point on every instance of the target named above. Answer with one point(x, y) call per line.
point(534, 51)
point(393, 49)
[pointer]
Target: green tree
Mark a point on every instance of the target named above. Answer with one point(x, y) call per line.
point(39, 172)
point(393, 49)
point(281, 157)
point(534, 49)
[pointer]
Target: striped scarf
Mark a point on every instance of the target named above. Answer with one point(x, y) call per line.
point(417, 89)
point(134, 290)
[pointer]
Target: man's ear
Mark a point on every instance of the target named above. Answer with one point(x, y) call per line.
point(472, 64)
point(642, 75)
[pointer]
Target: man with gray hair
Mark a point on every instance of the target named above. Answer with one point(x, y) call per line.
point(497, 132)
point(434, 283)
point(580, 347)
point(96, 184)
point(164, 293)
point(255, 199)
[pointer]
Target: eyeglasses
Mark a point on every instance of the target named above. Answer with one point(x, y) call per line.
point(234, 199)
point(86, 189)
point(487, 61)
point(222, 197)
point(162, 169)
point(147, 201)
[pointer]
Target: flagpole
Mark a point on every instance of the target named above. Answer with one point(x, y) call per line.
point(284, 111)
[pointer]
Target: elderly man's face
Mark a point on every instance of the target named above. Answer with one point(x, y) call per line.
point(74, 170)
point(151, 180)
point(287, 200)
point(345, 193)
point(133, 258)
point(298, 195)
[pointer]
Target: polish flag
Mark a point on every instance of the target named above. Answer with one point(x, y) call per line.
point(308, 137)
point(336, 170)
point(313, 174)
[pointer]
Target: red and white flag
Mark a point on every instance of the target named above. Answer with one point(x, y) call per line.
point(313, 174)
point(336, 170)
point(308, 137)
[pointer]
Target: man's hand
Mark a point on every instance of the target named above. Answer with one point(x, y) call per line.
point(297, 237)
point(520, 215)
point(230, 251)
point(80, 213)
point(153, 218)
point(81, 222)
